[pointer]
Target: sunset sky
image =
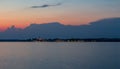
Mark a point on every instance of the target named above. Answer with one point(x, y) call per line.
point(21, 13)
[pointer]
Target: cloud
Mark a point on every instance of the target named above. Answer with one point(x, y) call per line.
point(45, 5)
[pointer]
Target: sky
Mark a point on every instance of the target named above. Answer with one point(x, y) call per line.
point(22, 13)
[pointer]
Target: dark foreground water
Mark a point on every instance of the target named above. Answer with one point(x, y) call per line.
point(36, 55)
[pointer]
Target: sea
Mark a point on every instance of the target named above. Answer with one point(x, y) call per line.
point(59, 55)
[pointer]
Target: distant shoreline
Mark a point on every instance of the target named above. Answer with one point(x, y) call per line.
point(65, 40)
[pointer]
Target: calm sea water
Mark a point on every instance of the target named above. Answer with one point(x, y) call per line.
point(62, 55)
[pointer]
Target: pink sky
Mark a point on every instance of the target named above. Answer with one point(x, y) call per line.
point(77, 12)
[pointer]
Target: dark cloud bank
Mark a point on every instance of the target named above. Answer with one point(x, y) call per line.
point(105, 28)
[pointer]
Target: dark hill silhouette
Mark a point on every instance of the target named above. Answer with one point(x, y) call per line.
point(105, 28)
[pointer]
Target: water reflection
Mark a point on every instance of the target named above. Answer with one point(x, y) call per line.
point(37, 55)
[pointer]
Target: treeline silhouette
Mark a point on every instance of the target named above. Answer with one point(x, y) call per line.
point(65, 40)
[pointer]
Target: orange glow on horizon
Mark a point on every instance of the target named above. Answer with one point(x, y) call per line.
point(24, 20)
point(24, 23)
